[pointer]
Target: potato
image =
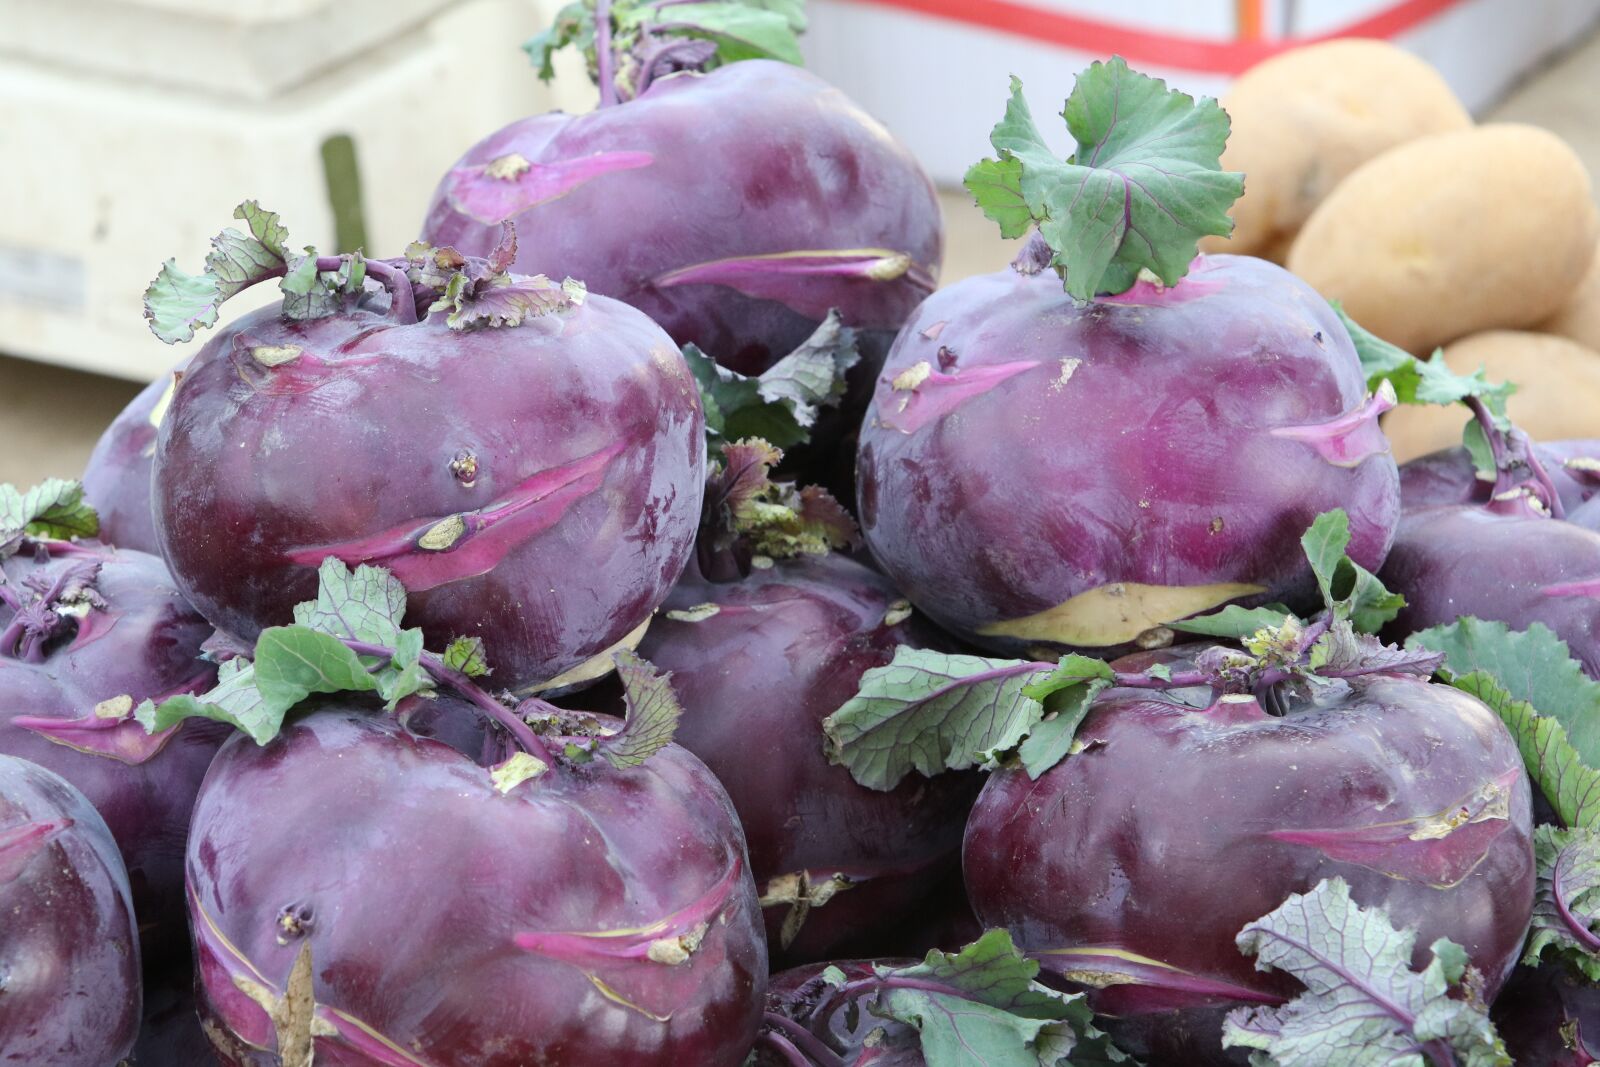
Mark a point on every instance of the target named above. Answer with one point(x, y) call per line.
point(1558, 391)
point(1579, 317)
point(1452, 234)
point(1305, 119)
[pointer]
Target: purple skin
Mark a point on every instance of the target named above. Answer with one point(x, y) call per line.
point(572, 448)
point(442, 916)
point(1515, 568)
point(1022, 452)
point(117, 479)
point(842, 1032)
point(69, 952)
point(144, 644)
point(1136, 862)
point(1446, 477)
point(787, 648)
point(689, 201)
point(1550, 1018)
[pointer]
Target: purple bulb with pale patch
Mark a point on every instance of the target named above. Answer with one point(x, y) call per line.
point(1039, 474)
point(537, 486)
point(1131, 866)
point(117, 479)
point(583, 915)
point(735, 208)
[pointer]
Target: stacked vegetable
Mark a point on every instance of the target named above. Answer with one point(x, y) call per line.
point(1144, 711)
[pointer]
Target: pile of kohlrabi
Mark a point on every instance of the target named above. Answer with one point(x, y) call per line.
point(453, 664)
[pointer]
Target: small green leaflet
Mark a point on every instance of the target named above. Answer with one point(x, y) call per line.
point(366, 604)
point(1566, 906)
point(234, 700)
point(573, 26)
point(931, 712)
point(990, 1010)
point(1532, 665)
point(465, 654)
point(1066, 694)
point(780, 405)
point(653, 713)
point(1349, 589)
point(1144, 184)
point(1363, 1005)
point(54, 509)
point(1234, 622)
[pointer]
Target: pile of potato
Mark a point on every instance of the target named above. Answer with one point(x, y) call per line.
point(1368, 179)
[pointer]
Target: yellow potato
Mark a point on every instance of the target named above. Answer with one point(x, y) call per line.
point(1558, 391)
point(1579, 317)
point(1305, 119)
point(1480, 229)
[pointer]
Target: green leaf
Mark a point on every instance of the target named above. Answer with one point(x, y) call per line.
point(403, 675)
point(996, 185)
point(1233, 621)
point(1418, 381)
point(1066, 694)
point(366, 604)
point(983, 1005)
point(931, 712)
point(1349, 590)
point(465, 654)
point(1380, 360)
point(234, 700)
point(292, 662)
point(1566, 906)
point(53, 509)
point(1144, 184)
point(178, 303)
point(740, 29)
point(1363, 1005)
point(237, 261)
point(1532, 665)
point(653, 713)
point(1568, 781)
point(307, 292)
point(573, 27)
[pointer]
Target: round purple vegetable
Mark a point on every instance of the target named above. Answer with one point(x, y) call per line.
point(1132, 866)
point(527, 461)
point(69, 947)
point(1078, 469)
point(117, 479)
point(1550, 1017)
point(87, 633)
point(735, 206)
point(378, 897)
point(1448, 476)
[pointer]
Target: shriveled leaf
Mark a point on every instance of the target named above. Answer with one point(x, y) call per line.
point(772, 519)
point(1233, 621)
point(506, 301)
point(931, 712)
point(466, 654)
point(1566, 906)
point(1144, 184)
point(1363, 1005)
point(653, 713)
point(1342, 652)
point(1066, 694)
point(982, 1005)
point(1532, 665)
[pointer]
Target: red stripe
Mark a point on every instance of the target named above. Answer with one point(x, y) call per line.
point(1144, 46)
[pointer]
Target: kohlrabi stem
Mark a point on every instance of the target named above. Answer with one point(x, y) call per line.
point(1577, 926)
point(1181, 680)
point(1558, 510)
point(402, 302)
point(784, 1048)
point(470, 691)
point(804, 1040)
point(1509, 448)
point(11, 637)
point(605, 62)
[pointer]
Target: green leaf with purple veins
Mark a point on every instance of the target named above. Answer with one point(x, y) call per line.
point(1566, 905)
point(55, 509)
point(466, 654)
point(1363, 1005)
point(653, 712)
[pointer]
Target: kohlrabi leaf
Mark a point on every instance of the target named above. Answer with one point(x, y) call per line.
point(1233, 621)
point(1566, 906)
point(1341, 652)
point(1532, 665)
point(772, 519)
point(1143, 185)
point(982, 1005)
point(1066, 694)
point(1418, 381)
point(1349, 590)
point(366, 604)
point(1363, 1005)
point(53, 509)
point(499, 300)
point(653, 713)
point(573, 26)
point(292, 662)
point(1568, 781)
point(741, 29)
point(931, 712)
point(780, 405)
point(465, 654)
point(234, 700)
